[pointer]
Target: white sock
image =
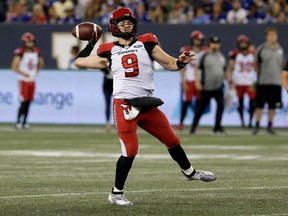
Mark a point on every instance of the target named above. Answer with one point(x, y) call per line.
point(189, 171)
point(116, 190)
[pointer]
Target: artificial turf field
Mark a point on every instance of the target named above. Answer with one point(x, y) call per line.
point(69, 170)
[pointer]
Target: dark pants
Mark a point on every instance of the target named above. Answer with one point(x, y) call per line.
point(107, 95)
point(205, 97)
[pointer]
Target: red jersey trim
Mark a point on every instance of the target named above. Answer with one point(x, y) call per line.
point(105, 47)
point(21, 51)
point(149, 37)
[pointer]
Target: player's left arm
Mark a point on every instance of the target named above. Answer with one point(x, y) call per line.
point(169, 62)
point(41, 64)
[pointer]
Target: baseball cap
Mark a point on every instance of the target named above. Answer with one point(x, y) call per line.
point(214, 39)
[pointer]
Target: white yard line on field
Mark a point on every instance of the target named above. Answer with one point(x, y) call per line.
point(143, 191)
point(98, 155)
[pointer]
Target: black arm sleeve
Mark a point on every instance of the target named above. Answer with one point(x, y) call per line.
point(149, 46)
point(86, 51)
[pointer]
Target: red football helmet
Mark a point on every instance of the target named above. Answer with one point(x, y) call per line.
point(119, 15)
point(28, 37)
point(240, 39)
point(197, 35)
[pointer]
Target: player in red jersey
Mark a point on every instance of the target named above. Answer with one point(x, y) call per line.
point(130, 60)
point(27, 62)
point(189, 90)
point(242, 74)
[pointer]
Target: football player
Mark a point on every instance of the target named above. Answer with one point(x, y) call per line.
point(284, 77)
point(242, 75)
point(27, 62)
point(188, 75)
point(130, 59)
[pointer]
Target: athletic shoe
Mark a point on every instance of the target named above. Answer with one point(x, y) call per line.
point(18, 126)
point(118, 199)
point(256, 131)
point(26, 126)
point(219, 131)
point(271, 131)
point(192, 130)
point(205, 176)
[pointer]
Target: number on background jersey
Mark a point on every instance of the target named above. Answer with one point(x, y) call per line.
point(130, 61)
point(31, 64)
point(246, 67)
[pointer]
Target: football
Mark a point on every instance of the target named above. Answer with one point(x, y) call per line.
point(84, 30)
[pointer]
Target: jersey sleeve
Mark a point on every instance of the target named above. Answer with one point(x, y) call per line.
point(150, 41)
point(232, 54)
point(37, 50)
point(19, 52)
point(104, 50)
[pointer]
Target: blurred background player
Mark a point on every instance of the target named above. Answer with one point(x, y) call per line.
point(27, 62)
point(284, 77)
point(241, 73)
point(188, 91)
point(269, 65)
point(107, 91)
point(212, 65)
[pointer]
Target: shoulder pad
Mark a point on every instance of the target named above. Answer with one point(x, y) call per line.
point(232, 54)
point(36, 50)
point(149, 37)
point(19, 51)
point(105, 47)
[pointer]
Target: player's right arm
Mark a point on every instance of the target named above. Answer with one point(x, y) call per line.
point(85, 60)
point(92, 61)
point(15, 65)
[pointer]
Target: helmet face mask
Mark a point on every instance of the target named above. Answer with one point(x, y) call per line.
point(118, 16)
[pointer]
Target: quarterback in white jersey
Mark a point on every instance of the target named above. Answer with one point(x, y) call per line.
point(26, 63)
point(188, 90)
point(130, 60)
point(241, 66)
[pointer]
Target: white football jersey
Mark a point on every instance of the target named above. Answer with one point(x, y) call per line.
point(28, 64)
point(132, 66)
point(191, 67)
point(243, 72)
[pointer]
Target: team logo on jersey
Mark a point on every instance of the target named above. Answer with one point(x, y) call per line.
point(116, 50)
point(137, 46)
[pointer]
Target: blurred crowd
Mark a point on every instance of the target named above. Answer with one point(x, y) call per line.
point(147, 11)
